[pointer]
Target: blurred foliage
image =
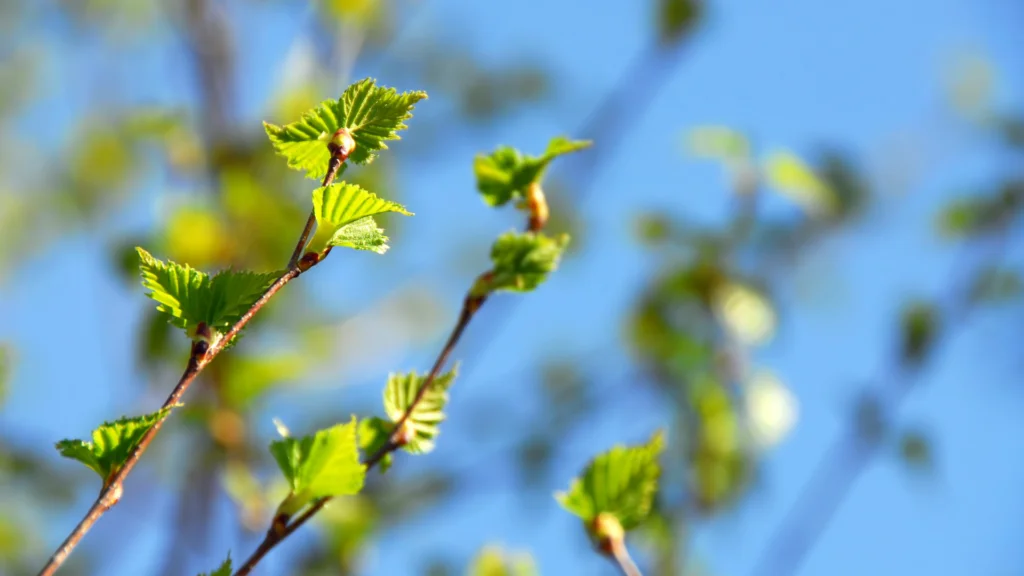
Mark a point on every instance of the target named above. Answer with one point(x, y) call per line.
point(983, 214)
point(920, 326)
point(493, 561)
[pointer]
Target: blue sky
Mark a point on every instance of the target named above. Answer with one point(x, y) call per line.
point(867, 75)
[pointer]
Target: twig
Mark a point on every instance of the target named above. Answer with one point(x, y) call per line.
point(201, 355)
point(470, 306)
point(625, 563)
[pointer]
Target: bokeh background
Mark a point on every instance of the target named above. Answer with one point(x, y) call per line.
point(796, 248)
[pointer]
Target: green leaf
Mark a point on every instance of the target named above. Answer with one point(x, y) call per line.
point(223, 570)
point(344, 216)
point(371, 113)
point(422, 426)
point(506, 173)
point(111, 443)
point(620, 482)
point(189, 296)
point(793, 178)
point(373, 435)
point(719, 143)
point(320, 465)
point(521, 261)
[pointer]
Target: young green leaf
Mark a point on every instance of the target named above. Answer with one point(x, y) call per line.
point(371, 113)
point(423, 423)
point(189, 296)
point(111, 443)
point(506, 173)
point(620, 482)
point(223, 570)
point(320, 465)
point(344, 216)
point(792, 177)
point(373, 435)
point(521, 261)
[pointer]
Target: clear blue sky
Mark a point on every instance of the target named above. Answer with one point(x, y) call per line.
point(867, 74)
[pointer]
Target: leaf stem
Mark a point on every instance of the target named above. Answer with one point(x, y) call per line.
point(338, 157)
point(622, 558)
point(201, 355)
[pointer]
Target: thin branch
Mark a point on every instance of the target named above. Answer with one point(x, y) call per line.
point(201, 356)
point(645, 71)
point(470, 306)
point(625, 563)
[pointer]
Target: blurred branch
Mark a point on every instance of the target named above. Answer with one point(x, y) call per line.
point(844, 462)
point(201, 355)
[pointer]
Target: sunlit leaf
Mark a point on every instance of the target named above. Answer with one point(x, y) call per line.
point(111, 443)
point(190, 297)
point(621, 482)
point(522, 261)
point(373, 114)
point(506, 173)
point(793, 178)
point(319, 465)
point(344, 215)
point(423, 424)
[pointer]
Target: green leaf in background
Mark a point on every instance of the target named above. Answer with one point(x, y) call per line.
point(506, 173)
point(111, 443)
point(493, 561)
point(189, 296)
point(919, 324)
point(344, 216)
point(223, 570)
point(371, 113)
point(621, 482)
point(677, 17)
point(793, 178)
point(521, 261)
point(423, 423)
point(719, 143)
point(319, 465)
point(373, 435)
point(979, 214)
point(991, 286)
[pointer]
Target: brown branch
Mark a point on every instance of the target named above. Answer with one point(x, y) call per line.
point(201, 355)
point(625, 563)
point(470, 306)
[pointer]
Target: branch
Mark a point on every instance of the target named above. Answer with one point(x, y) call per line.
point(471, 304)
point(201, 356)
point(625, 563)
